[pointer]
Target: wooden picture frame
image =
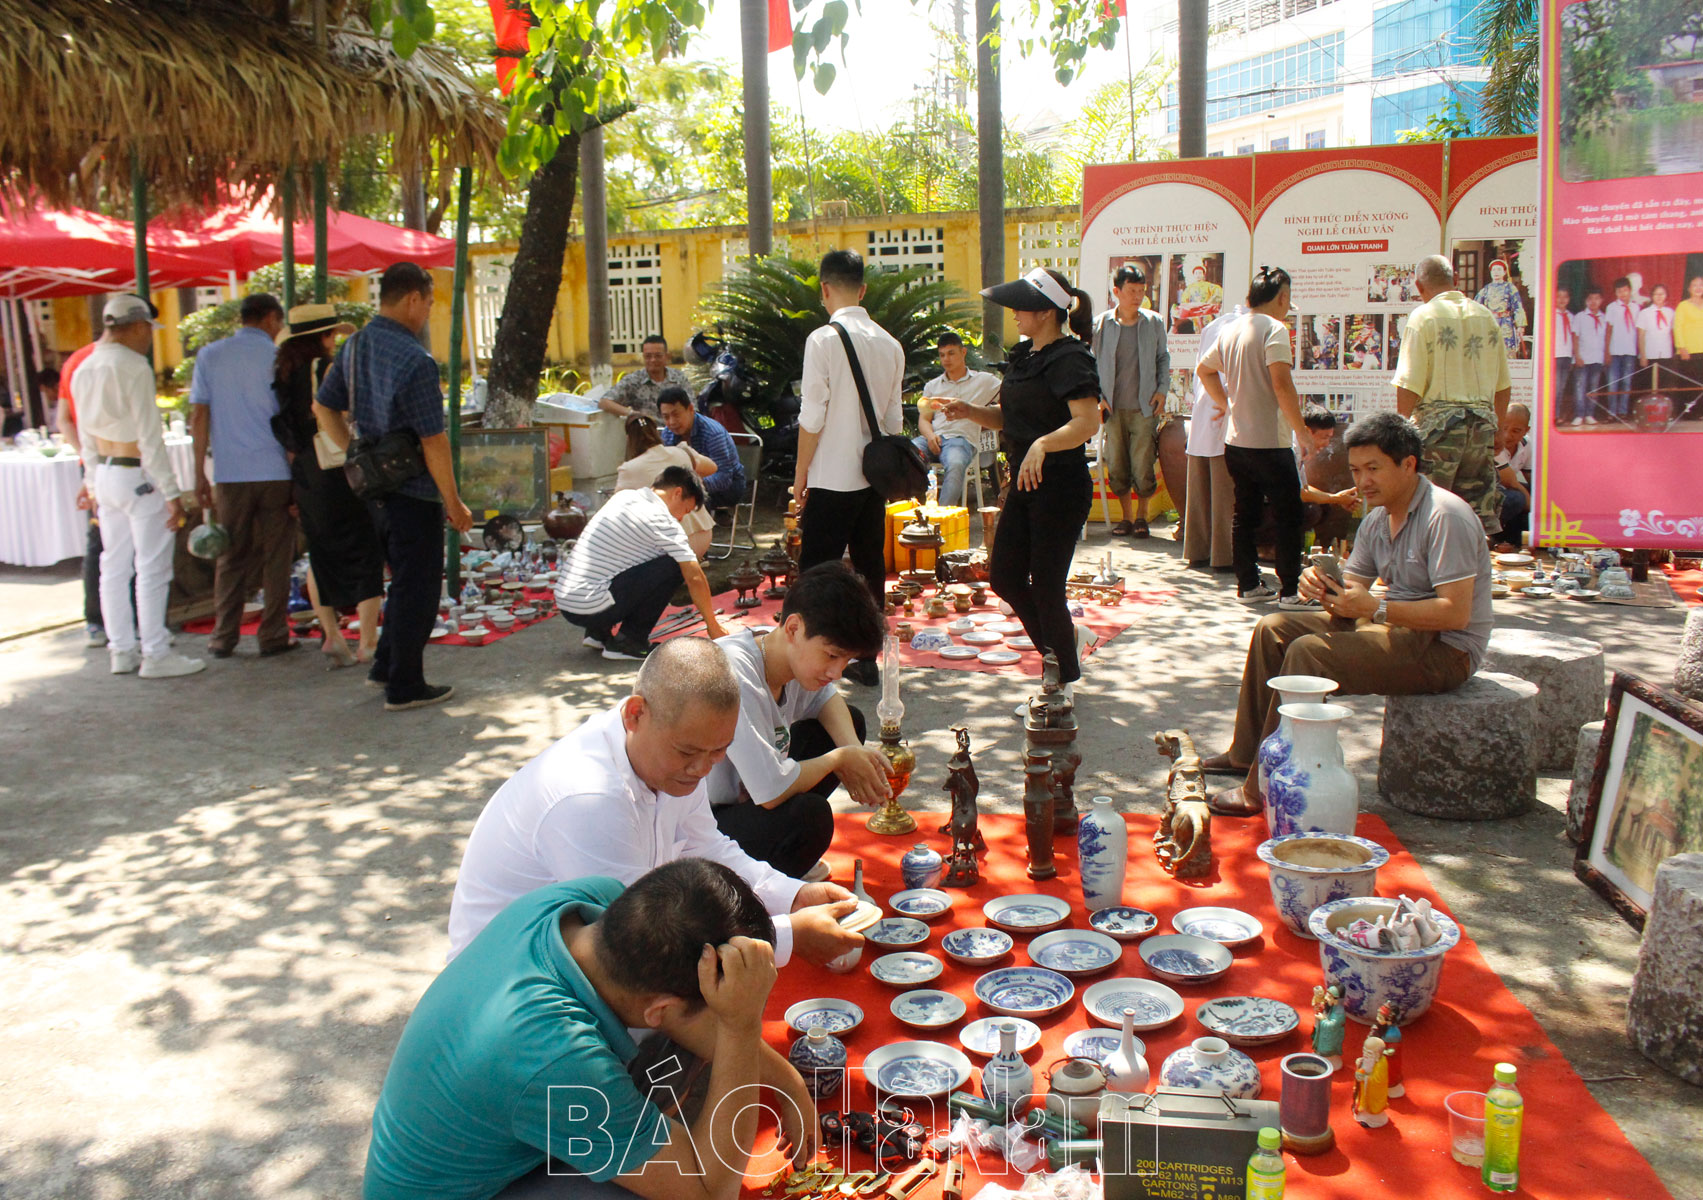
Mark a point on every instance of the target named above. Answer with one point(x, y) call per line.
point(1646, 796)
point(506, 471)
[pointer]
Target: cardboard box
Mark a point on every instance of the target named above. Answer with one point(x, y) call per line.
point(954, 525)
point(1179, 1144)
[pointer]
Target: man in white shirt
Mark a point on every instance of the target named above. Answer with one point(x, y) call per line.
point(134, 489)
point(626, 792)
point(955, 444)
point(840, 510)
point(1206, 517)
point(1514, 472)
point(798, 739)
point(627, 562)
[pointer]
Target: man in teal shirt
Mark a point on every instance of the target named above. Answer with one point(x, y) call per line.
point(514, 1068)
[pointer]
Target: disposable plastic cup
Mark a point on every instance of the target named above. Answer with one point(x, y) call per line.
point(1466, 1127)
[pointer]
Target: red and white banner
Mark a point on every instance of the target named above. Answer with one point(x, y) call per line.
point(1490, 226)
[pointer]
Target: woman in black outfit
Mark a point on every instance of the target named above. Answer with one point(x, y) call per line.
point(1049, 405)
point(346, 563)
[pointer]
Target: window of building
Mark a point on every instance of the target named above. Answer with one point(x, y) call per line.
point(1215, 154)
point(1281, 143)
point(1316, 139)
point(1248, 149)
point(1414, 35)
point(1410, 109)
point(1292, 75)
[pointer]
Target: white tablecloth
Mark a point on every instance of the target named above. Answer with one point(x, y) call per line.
point(40, 523)
point(181, 451)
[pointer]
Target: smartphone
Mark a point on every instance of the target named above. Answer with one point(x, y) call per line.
point(1330, 566)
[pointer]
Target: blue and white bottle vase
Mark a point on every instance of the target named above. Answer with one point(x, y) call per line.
point(1007, 1081)
point(1311, 789)
point(1126, 1067)
point(1102, 848)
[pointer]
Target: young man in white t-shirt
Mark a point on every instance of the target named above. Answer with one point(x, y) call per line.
point(798, 739)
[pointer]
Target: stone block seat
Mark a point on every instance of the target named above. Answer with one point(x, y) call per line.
point(1664, 1016)
point(1571, 690)
point(1464, 755)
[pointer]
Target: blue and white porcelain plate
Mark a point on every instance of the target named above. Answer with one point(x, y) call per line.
point(834, 1015)
point(924, 904)
point(1097, 1044)
point(1248, 1020)
point(1226, 926)
point(1184, 958)
point(897, 931)
point(982, 637)
point(1154, 1003)
point(927, 1008)
point(1026, 912)
point(916, 1069)
point(957, 653)
point(981, 1036)
point(906, 969)
point(1124, 922)
point(976, 947)
point(1075, 951)
point(1024, 991)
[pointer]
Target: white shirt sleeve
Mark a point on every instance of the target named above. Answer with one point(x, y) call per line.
point(701, 837)
point(1277, 344)
point(893, 415)
point(1213, 359)
point(814, 387)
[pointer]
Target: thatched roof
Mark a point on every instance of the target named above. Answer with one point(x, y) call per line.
point(212, 93)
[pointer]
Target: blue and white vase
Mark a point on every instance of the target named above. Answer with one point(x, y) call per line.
point(1208, 1064)
point(922, 867)
point(1291, 689)
point(820, 1057)
point(1102, 849)
point(1311, 789)
point(1008, 1083)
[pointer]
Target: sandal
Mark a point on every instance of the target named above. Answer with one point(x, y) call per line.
point(1139, 529)
point(1123, 529)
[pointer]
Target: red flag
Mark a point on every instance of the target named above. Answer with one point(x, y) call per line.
point(1112, 8)
point(511, 21)
point(780, 25)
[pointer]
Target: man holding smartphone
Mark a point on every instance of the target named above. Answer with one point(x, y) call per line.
point(1428, 633)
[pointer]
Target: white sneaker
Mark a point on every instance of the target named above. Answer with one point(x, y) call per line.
point(1577, 421)
point(1086, 640)
point(170, 665)
point(124, 662)
point(1259, 595)
point(94, 637)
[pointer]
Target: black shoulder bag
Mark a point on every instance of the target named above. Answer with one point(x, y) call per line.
point(377, 466)
point(891, 463)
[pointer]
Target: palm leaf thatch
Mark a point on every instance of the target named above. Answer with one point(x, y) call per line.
point(212, 95)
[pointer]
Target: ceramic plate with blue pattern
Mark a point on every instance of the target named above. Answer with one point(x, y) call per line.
point(927, 1008)
point(1226, 926)
point(906, 969)
point(834, 1015)
point(1184, 958)
point(1024, 991)
point(1075, 952)
point(1097, 1044)
point(976, 947)
point(1154, 1003)
point(1248, 1020)
point(916, 1069)
point(897, 931)
point(1028, 912)
point(981, 1036)
point(923, 904)
point(1123, 922)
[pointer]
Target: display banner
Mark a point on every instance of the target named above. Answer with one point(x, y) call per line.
point(1348, 225)
point(1491, 231)
point(1620, 343)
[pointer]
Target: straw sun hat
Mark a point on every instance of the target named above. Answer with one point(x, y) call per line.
point(306, 319)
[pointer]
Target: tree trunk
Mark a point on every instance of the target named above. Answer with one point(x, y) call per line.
point(1191, 79)
point(594, 216)
point(754, 64)
point(523, 331)
point(413, 197)
point(990, 170)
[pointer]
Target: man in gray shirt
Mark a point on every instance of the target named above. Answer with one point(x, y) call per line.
point(1135, 377)
point(1428, 633)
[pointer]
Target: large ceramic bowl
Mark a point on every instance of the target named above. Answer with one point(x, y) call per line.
point(1368, 978)
point(916, 1069)
point(1310, 869)
point(1183, 958)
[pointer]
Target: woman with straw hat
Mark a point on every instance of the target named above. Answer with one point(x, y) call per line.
point(346, 562)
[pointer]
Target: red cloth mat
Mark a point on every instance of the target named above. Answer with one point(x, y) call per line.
point(251, 625)
point(1106, 620)
point(1570, 1146)
point(1687, 585)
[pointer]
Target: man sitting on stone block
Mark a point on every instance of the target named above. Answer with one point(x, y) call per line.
point(1429, 632)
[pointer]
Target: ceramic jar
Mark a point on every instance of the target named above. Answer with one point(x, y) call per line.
point(922, 867)
point(1126, 1067)
point(820, 1058)
point(1075, 1090)
point(1367, 978)
point(1291, 689)
point(1311, 789)
point(1310, 869)
point(1208, 1064)
point(1102, 848)
point(1007, 1081)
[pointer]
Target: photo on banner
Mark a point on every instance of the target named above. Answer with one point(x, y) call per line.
point(1491, 238)
point(1619, 351)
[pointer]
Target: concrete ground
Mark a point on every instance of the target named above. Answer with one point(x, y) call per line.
point(221, 896)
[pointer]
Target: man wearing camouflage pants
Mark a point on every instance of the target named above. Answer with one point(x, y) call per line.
point(1453, 381)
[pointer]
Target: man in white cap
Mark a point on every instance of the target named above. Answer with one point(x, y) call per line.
point(134, 488)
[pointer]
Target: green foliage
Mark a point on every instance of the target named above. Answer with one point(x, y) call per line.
point(768, 307)
point(205, 326)
point(406, 23)
point(1606, 43)
point(1452, 122)
point(1507, 29)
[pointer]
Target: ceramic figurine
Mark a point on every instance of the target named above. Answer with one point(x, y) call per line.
point(1126, 1067)
point(1007, 1081)
point(967, 840)
point(1102, 850)
point(1038, 813)
point(1329, 1025)
point(1311, 789)
point(820, 1058)
point(1385, 1029)
point(1371, 1085)
point(922, 867)
point(1183, 843)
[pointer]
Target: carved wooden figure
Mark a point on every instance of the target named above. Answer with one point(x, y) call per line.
point(1183, 843)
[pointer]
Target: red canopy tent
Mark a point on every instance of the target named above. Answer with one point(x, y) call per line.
point(250, 237)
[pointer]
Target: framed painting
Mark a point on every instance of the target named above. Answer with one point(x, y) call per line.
point(506, 471)
point(1646, 797)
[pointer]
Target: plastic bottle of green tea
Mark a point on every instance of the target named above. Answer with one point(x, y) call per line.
point(1504, 1112)
point(1265, 1168)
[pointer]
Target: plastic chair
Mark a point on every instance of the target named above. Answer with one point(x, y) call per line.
point(1097, 472)
point(987, 458)
point(750, 448)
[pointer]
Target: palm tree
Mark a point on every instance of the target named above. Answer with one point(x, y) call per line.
point(1508, 31)
point(1191, 79)
point(990, 171)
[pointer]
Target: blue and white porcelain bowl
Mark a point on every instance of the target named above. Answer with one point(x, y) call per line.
point(1368, 978)
point(1227, 926)
point(1154, 1003)
point(927, 1008)
point(1075, 952)
point(924, 904)
point(906, 969)
point(1028, 912)
point(976, 947)
point(1310, 869)
point(1123, 922)
point(1024, 991)
point(1182, 958)
point(915, 1069)
point(833, 1015)
point(1209, 1065)
point(1248, 1020)
point(981, 1036)
point(931, 639)
point(897, 931)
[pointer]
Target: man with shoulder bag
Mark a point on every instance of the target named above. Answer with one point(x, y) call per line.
point(400, 464)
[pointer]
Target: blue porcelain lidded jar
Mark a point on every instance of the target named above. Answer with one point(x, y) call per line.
point(922, 867)
point(1208, 1064)
point(820, 1058)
